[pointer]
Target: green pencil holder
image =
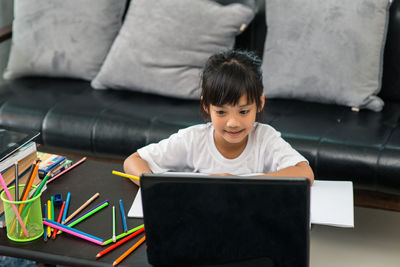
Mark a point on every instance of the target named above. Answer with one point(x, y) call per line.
point(31, 215)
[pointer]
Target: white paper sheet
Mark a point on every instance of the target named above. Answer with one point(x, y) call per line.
point(136, 210)
point(331, 204)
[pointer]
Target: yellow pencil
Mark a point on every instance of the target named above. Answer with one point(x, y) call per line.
point(48, 217)
point(126, 175)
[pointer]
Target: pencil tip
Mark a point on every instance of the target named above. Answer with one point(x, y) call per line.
point(114, 263)
point(98, 255)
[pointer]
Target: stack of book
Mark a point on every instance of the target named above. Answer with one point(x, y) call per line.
point(17, 149)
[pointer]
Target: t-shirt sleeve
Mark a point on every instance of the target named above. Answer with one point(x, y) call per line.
point(170, 154)
point(279, 153)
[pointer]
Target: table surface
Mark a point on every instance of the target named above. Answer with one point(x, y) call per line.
point(83, 182)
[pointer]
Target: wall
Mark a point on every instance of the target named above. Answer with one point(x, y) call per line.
point(6, 16)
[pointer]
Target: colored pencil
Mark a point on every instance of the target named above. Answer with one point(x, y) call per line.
point(28, 185)
point(27, 182)
point(123, 234)
point(68, 169)
point(3, 183)
point(25, 192)
point(66, 208)
point(48, 217)
point(16, 187)
point(129, 237)
point(16, 193)
point(102, 205)
point(121, 207)
point(129, 251)
point(52, 208)
point(133, 177)
point(59, 219)
point(21, 234)
point(87, 214)
point(38, 189)
point(73, 231)
point(44, 226)
point(113, 220)
point(90, 200)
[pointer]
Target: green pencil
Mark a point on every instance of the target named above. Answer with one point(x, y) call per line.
point(113, 215)
point(123, 234)
point(37, 192)
point(88, 214)
point(52, 208)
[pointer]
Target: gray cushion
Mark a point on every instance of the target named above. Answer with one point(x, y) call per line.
point(325, 51)
point(61, 38)
point(163, 45)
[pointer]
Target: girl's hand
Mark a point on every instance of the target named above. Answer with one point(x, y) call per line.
point(221, 174)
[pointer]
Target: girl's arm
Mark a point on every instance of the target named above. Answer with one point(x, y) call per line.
point(301, 169)
point(135, 165)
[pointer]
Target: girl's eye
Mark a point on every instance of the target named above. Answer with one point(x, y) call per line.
point(220, 112)
point(244, 111)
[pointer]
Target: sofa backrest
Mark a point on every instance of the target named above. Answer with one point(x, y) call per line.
point(391, 63)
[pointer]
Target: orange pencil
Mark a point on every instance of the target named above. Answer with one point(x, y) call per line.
point(25, 193)
point(59, 219)
point(129, 251)
point(82, 207)
point(129, 237)
point(30, 181)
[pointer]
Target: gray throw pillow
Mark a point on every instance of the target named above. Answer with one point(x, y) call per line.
point(327, 51)
point(62, 38)
point(163, 45)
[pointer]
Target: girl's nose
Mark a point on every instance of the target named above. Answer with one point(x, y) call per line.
point(232, 122)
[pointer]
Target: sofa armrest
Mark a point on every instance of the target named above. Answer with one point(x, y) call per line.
point(5, 33)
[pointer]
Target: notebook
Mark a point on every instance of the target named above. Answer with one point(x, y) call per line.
point(201, 220)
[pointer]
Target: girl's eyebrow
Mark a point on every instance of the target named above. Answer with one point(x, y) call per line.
point(242, 106)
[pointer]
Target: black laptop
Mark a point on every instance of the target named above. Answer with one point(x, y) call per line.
point(226, 221)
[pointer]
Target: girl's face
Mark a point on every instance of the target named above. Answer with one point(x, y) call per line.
point(232, 124)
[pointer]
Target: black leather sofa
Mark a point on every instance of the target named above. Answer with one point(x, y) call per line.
point(340, 144)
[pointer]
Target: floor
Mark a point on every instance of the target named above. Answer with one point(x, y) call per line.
point(374, 241)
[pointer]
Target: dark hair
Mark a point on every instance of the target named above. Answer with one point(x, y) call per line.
point(229, 75)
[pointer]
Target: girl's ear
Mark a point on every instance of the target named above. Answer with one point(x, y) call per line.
point(205, 108)
point(262, 102)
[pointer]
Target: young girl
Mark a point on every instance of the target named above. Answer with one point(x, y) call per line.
point(232, 142)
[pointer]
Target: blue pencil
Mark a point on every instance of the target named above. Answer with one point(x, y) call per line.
point(44, 226)
point(66, 207)
point(121, 207)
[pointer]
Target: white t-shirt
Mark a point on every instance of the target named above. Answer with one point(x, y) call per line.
point(193, 150)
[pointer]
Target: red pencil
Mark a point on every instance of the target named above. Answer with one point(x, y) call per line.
point(59, 219)
point(129, 237)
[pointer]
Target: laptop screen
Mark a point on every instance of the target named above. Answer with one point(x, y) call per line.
point(193, 220)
